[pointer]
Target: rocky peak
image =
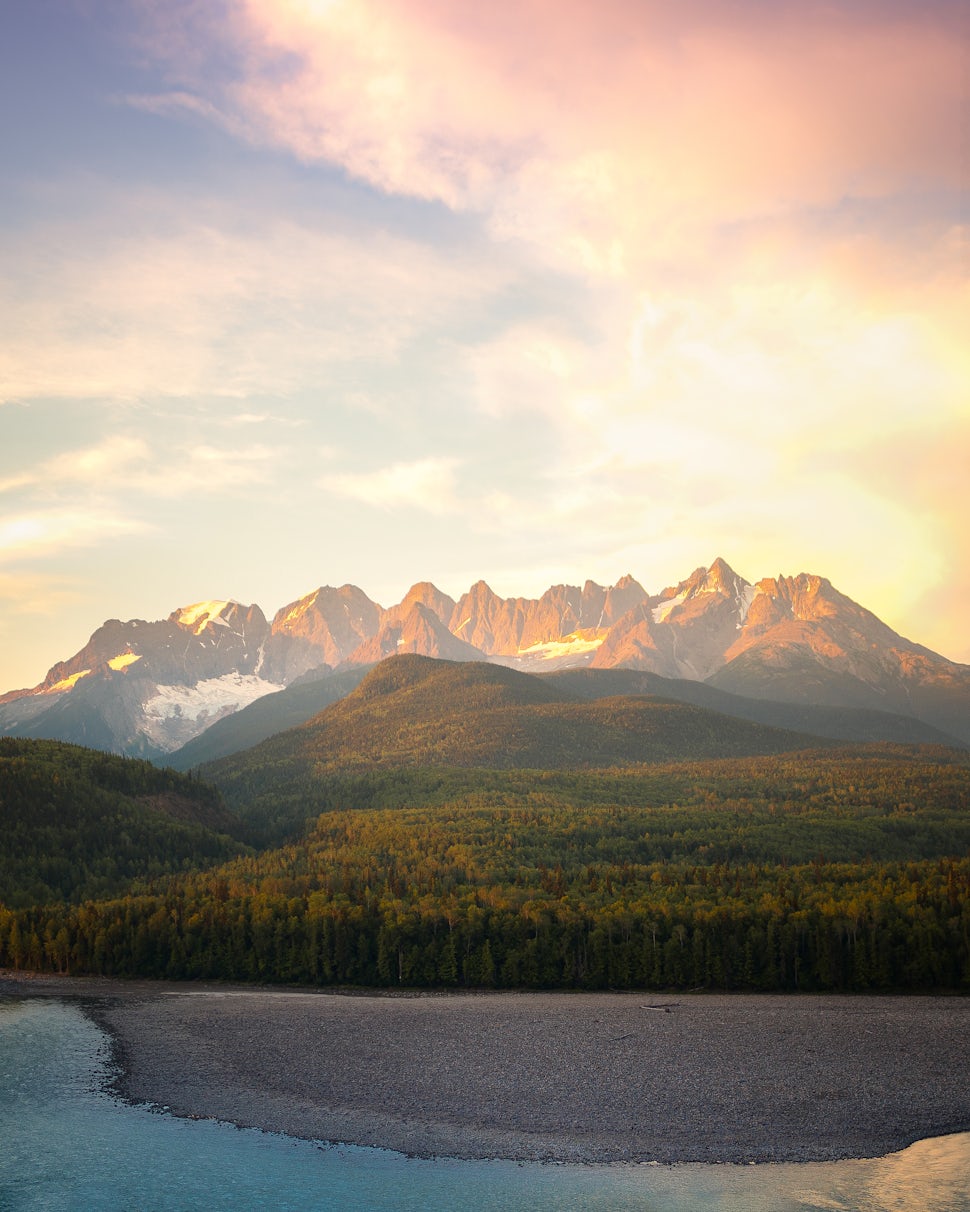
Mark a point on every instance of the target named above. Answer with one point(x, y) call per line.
point(624, 596)
point(485, 620)
point(425, 594)
point(720, 578)
point(213, 618)
point(419, 630)
point(333, 620)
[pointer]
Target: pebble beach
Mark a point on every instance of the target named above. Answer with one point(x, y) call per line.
point(587, 1078)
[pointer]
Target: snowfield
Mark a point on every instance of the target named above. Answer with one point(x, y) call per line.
point(176, 714)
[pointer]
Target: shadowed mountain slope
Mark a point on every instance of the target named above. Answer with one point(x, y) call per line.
point(265, 717)
point(76, 823)
point(416, 712)
point(301, 702)
point(855, 724)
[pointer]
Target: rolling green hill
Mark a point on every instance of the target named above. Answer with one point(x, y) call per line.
point(414, 712)
point(856, 724)
point(827, 870)
point(467, 825)
point(303, 700)
point(76, 823)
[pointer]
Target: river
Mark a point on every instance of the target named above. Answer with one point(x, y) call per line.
point(67, 1145)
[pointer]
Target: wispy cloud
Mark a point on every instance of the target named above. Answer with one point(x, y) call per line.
point(44, 532)
point(426, 484)
point(162, 302)
point(118, 458)
point(172, 103)
point(604, 128)
point(36, 593)
point(128, 464)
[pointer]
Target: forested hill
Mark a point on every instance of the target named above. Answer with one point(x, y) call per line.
point(832, 870)
point(466, 825)
point(853, 724)
point(416, 712)
point(76, 823)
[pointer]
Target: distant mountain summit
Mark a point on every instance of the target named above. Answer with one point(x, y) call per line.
point(147, 688)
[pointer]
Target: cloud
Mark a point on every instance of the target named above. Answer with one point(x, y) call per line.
point(121, 463)
point(152, 298)
point(602, 132)
point(114, 459)
point(426, 484)
point(742, 189)
point(36, 594)
point(166, 104)
point(260, 418)
point(43, 533)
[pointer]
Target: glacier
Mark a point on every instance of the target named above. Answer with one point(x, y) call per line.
point(175, 714)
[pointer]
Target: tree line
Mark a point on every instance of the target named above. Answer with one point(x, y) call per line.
point(823, 927)
point(827, 871)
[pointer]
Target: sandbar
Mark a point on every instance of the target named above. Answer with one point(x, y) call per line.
point(567, 1077)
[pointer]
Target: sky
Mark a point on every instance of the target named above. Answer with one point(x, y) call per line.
point(307, 292)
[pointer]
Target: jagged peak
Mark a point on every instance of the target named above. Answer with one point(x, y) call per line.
point(319, 600)
point(481, 588)
point(786, 586)
point(425, 593)
point(294, 610)
point(719, 578)
point(422, 589)
point(722, 571)
point(199, 615)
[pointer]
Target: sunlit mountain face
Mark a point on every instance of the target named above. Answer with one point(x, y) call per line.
point(149, 688)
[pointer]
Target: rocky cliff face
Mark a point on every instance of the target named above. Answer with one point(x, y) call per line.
point(323, 628)
point(147, 688)
point(141, 687)
point(420, 631)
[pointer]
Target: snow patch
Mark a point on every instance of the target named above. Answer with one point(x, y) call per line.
point(660, 612)
point(299, 609)
point(744, 600)
point(570, 645)
point(175, 714)
point(67, 683)
point(123, 660)
point(196, 617)
point(210, 695)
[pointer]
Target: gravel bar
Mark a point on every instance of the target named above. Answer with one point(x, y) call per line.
point(585, 1077)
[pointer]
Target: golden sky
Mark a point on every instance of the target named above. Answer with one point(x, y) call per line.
point(311, 291)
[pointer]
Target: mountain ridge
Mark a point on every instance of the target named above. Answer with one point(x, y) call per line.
point(149, 688)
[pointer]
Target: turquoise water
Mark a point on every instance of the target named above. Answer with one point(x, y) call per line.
point(67, 1146)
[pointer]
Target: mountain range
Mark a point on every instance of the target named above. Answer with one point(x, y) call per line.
point(792, 651)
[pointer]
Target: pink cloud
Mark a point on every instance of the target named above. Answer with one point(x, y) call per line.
point(700, 112)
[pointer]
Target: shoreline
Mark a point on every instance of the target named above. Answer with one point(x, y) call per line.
point(583, 1078)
